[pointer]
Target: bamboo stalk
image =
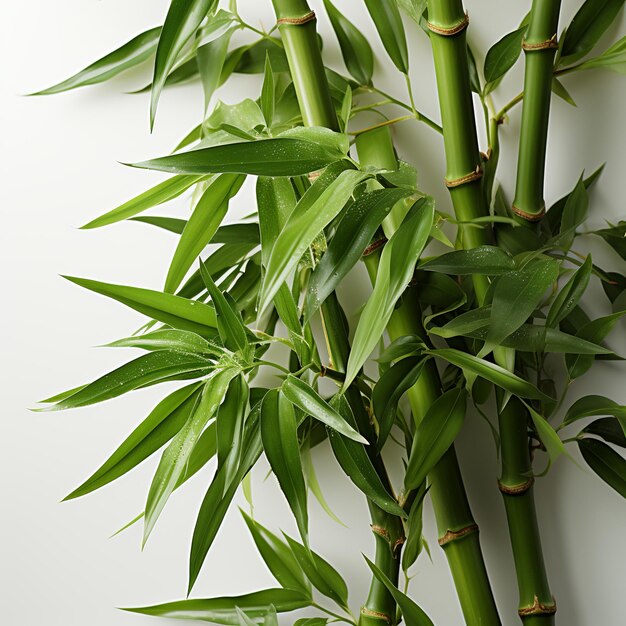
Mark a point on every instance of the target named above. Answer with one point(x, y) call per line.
point(539, 47)
point(458, 531)
point(463, 158)
point(297, 28)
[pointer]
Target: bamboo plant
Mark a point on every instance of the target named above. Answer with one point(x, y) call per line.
point(493, 325)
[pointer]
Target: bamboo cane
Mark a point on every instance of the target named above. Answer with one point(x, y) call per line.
point(448, 23)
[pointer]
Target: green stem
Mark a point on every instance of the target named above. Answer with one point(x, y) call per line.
point(542, 28)
point(457, 529)
point(309, 77)
point(462, 157)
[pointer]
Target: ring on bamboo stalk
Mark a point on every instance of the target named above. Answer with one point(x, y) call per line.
point(376, 614)
point(516, 490)
point(455, 535)
point(450, 31)
point(538, 608)
point(548, 44)
point(297, 21)
point(380, 531)
point(530, 217)
point(464, 180)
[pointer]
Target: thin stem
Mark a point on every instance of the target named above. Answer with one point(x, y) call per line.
point(500, 115)
point(395, 120)
point(341, 618)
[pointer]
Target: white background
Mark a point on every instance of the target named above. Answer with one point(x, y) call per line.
point(59, 169)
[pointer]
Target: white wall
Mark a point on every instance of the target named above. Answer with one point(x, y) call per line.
point(59, 168)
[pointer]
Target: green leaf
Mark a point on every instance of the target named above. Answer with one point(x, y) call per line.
point(615, 236)
point(609, 429)
point(434, 435)
point(323, 576)
point(588, 25)
point(229, 425)
point(158, 428)
point(357, 465)
point(182, 20)
point(171, 224)
point(279, 432)
point(355, 49)
point(395, 270)
point(320, 204)
point(548, 436)
point(570, 294)
point(391, 386)
point(404, 346)
point(132, 53)
point(224, 610)
point(161, 193)
point(169, 339)
point(612, 59)
point(515, 297)
point(164, 307)
point(487, 260)
point(306, 398)
point(559, 89)
point(250, 59)
point(412, 614)
point(148, 369)
point(413, 8)
point(491, 372)
point(388, 22)
point(210, 58)
point(605, 462)
point(231, 328)
point(293, 153)
point(353, 235)
point(503, 55)
point(413, 529)
point(593, 405)
point(176, 455)
point(268, 102)
point(278, 557)
point(201, 226)
point(574, 213)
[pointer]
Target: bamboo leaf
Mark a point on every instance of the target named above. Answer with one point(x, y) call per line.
point(293, 153)
point(148, 369)
point(487, 260)
point(395, 270)
point(592, 406)
point(355, 49)
point(182, 20)
point(169, 339)
point(320, 204)
point(176, 455)
point(158, 428)
point(279, 432)
point(407, 345)
point(201, 226)
point(357, 465)
point(413, 529)
point(388, 22)
point(548, 436)
point(178, 312)
point(612, 59)
point(588, 25)
point(171, 224)
point(223, 610)
point(434, 435)
point(306, 398)
point(502, 56)
point(268, 103)
point(161, 193)
point(323, 576)
point(491, 372)
point(278, 557)
point(353, 235)
point(609, 429)
point(413, 8)
point(412, 614)
point(605, 462)
point(210, 58)
point(570, 294)
point(391, 386)
point(132, 53)
point(559, 89)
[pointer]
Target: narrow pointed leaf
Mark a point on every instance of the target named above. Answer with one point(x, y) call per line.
point(605, 462)
point(388, 22)
point(612, 59)
point(609, 429)
point(268, 102)
point(395, 270)
point(570, 294)
point(169, 339)
point(307, 399)
point(502, 56)
point(486, 260)
point(548, 436)
point(592, 406)
point(434, 435)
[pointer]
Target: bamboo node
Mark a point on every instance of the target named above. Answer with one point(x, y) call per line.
point(379, 243)
point(529, 217)
point(516, 490)
point(313, 176)
point(455, 535)
point(464, 180)
point(548, 44)
point(381, 532)
point(297, 21)
point(451, 30)
point(375, 614)
point(538, 608)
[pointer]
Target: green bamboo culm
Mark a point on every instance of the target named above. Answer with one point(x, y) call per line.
point(297, 29)
point(458, 531)
point(539, 46)
point(447, 24)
